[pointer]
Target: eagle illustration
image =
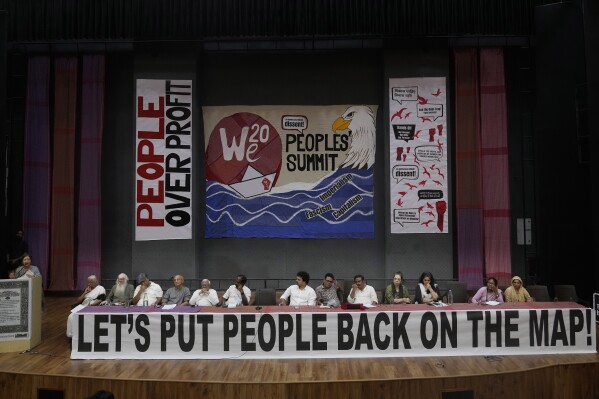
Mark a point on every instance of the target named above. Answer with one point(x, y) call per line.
point(359, 121)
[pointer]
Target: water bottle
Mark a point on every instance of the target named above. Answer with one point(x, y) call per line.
point(145, 302)
point(449, 297)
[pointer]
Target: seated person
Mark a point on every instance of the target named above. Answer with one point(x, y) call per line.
point(299, 294)
point(516, 292)
point(177, 295)
point(121, 292)
point(361, 292)
point(93, 295)
point(327, 293)
point(396, 292)
point(205, 296)
point(426, 290)
point(146, 291)
point(238, 294)
point(490, 292)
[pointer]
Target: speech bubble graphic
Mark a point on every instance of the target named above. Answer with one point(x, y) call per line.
point(407, 172)
point(404, 132)
point(407, 215)
point(409, 93)
point(430, 194)
point(428, 153)
point(430, 111)
point(294, 122)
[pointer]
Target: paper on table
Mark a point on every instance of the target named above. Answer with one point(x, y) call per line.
point(171, 306)
point(369, 305)
point(77, 308)
point(493, 303)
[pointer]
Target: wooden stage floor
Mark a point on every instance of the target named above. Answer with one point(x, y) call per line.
point(49, 367)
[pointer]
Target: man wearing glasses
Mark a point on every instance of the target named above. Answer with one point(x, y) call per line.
point(362, 292)
point(238, 294)
point(327, 294)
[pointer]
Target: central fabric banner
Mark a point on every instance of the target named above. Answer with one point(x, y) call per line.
point(290, 171)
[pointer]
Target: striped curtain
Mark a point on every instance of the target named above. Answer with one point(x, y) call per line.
point(482, 188)
point(469, 209)
point(36, 168)
point(494, 157)
point(89, 221)
point(63, 174)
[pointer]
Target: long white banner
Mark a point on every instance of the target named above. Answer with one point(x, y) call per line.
point(202, 335)
point(163, 181)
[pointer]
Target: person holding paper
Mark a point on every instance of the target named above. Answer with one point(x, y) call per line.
point(327, 293)
point(26, 270)
point(426, 290)
point(205, 296)
point(177, 295)
point(488, 293)
point(516, 292)
point(361, 292)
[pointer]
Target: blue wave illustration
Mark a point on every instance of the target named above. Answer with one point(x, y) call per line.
point(338, 206)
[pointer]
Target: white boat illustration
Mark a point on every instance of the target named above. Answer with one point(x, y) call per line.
point(254, 183)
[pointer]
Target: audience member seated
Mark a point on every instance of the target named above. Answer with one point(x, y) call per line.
point(238, 294)
point(490, 292)
point(327, 293)
point(26, 270)
point(177, 295)
point(121, 292)
point(147, 293)
point(361, 292)
point(396, 292)
point(93, 295)
point(299, 294)
point(205, 296)
point(426, 290)
point(516, 292)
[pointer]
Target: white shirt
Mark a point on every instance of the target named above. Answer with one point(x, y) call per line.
point(201, 298)
point(93, 295)
point(153, 292)
point(366, 296)
point(298, 297)
point(234, 296)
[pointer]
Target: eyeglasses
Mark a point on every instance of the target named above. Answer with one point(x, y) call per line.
point(329, 281)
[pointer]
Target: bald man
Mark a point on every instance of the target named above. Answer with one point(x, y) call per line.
point(177, 295)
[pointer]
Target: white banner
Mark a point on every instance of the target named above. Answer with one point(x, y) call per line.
point(418, 158)
point(163, 181)
point(203, 335)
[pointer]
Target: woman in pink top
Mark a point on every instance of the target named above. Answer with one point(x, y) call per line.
point(488, 293)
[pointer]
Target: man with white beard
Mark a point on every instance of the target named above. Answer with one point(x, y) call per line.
point(121, 293)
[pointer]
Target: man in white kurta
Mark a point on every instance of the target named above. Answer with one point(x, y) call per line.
point(93, 295)
point(362, 292)
point(205, 296)
point(146, 290)
point(300, 294)
point(238, 294)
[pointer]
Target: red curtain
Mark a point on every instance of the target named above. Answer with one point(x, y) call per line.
point(468, 169)
point(482, 180)
point(63, 171)
point(89, 227)
point(494, 156)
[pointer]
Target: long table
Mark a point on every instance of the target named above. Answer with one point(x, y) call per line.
point(115, 332)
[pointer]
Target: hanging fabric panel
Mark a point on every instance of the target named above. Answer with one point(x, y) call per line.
point(495, 176)
point(468, 169)
point(36, 168)
point(89, 227)
point(62, 232)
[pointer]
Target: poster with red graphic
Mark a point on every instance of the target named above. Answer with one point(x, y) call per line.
point(418, 155)
point(290, 171)
point(163, 183)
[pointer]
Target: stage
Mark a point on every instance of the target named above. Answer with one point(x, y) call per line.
point(49, 367)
